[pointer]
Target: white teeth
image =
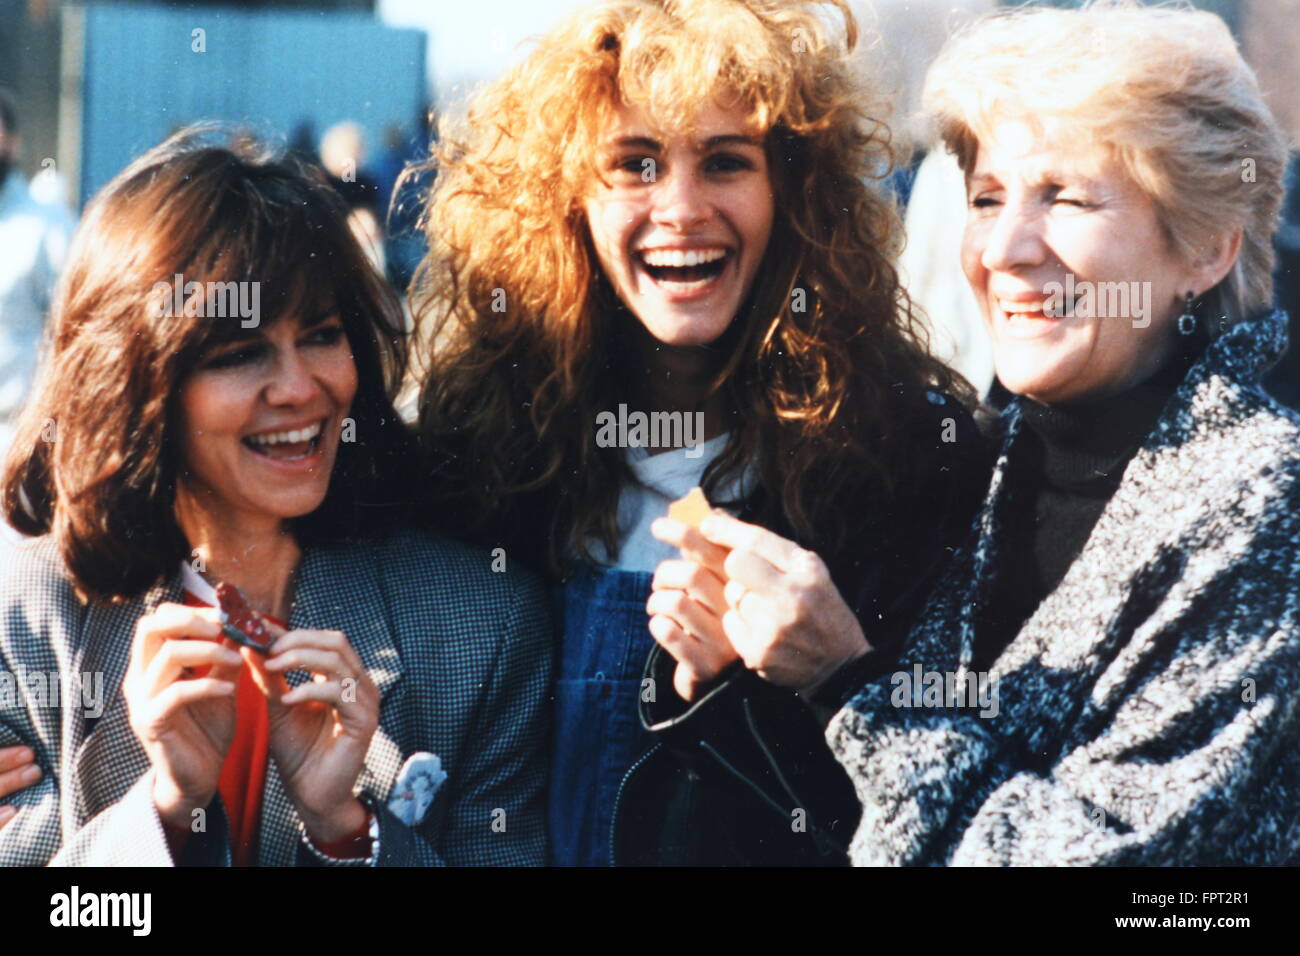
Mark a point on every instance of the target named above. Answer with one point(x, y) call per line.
point(681, 258)
point(286, 438)
point(1014, 308)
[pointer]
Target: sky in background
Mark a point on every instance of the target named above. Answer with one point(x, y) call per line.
point(474, 39)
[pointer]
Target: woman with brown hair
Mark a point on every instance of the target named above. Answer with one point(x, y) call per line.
point(213, 468)
point(662, 216)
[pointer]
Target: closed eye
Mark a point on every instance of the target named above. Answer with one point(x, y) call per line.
point(236, 357)
point(728, 163)
point(326, 334)
point(634, 164)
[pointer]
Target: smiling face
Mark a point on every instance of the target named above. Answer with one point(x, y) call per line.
point(261, 419)
point(1039, 222)
point(680, 224)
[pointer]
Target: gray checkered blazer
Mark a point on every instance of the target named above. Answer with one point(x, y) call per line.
point(461, 656)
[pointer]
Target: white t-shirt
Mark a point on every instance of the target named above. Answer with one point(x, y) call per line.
point(663, 478)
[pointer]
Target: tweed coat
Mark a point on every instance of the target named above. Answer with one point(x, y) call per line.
point(1148, 712)
point(461, 656)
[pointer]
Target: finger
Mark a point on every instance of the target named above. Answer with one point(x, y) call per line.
point(11, 757)
point(169, 621)
point(742, 638)
point(688, 613)
point(759, 612)
point(335, 641)
point(228, 669)
point(696, 580)
point(725, 531)
point(11, 781)
point(310, 659)
point(183, 693)
point(705, 659)
point(674, 639)
point(176, 655)
point(7, 814)
point(756, 573)
point(693, 545)
point(272, 686)
point(328, 692)
point(686, 681)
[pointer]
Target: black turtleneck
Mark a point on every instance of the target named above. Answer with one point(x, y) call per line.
point(1070, 461)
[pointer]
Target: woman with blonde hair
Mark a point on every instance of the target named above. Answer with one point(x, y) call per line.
point(663, 211)
point(1130, 591)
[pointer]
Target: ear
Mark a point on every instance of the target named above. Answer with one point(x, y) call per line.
point(1218, 259)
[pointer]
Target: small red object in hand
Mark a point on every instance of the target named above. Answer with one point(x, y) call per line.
point(242, 624)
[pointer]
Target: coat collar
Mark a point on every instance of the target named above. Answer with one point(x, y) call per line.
point(334, 589)
point(1238, 358)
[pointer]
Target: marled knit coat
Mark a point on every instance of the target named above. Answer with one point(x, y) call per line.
point(1148, 712)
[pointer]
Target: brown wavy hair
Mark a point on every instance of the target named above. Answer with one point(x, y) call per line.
point(509, 398)
point(94, 461)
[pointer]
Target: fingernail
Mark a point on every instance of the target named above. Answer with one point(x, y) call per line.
point(6, 813)
point(30, 774)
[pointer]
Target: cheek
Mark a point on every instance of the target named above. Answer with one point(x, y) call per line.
point(610, 223)
point(972, 249)
point(756, 209)
point(342, 376)
point(205, 410)
point(206, 407)
point(1119, 345)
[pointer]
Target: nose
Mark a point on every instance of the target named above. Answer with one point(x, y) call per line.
point(292, 380)
point(680, 202)
point(1015, 241)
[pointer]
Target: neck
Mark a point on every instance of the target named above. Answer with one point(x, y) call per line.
point(1091, 442)
point(257, 554)
point(677, 378)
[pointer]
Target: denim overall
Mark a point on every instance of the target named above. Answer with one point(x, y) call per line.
point(604, 641)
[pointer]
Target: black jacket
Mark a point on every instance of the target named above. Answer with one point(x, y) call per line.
point(743, 775)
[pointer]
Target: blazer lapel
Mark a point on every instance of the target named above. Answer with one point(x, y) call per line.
point(109, 760)
point(336, 590)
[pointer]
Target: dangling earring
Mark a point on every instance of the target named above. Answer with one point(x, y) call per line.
point(1187, 321)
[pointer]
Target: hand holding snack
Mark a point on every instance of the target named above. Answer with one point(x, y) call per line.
point(184, 725)
point(784, 615)
point(687, 599)
point(320, 730)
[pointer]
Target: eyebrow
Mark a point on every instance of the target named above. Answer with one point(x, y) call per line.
point(1039, 176)
point(248, 334)
point(713, 142)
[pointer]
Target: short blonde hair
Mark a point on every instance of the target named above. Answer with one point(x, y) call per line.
point(1164, 88)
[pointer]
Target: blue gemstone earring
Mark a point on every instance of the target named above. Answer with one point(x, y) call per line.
point(1187, 321)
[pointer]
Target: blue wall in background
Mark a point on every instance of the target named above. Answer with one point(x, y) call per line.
point(272, 69)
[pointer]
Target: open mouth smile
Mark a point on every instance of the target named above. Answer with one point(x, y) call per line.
point(295, 444)
point(684, 271)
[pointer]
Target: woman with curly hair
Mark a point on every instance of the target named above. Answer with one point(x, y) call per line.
point(665, 212)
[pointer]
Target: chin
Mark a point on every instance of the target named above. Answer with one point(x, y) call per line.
point(677, 329)
point(1038, 383)
point(290, 507)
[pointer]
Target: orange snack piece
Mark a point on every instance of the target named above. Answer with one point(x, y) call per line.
point(691, 509)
